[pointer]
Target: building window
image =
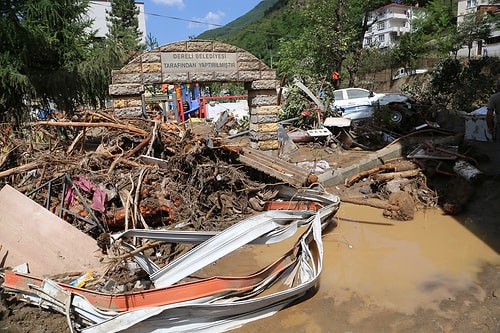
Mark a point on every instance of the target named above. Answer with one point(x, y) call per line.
point(381, 38)
point(381, 25)
point(471, 3)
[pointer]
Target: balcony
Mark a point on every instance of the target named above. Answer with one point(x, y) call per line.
point(393, 29)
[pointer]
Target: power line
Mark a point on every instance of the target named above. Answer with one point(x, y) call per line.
point(182, 19)
point(202, 22)
point(214, 24)
point(99, 3)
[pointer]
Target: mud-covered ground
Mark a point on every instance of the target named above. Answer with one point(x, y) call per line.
point(474, 309)
point(363, 287)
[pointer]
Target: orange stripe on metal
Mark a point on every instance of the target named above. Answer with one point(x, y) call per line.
point(162, 296)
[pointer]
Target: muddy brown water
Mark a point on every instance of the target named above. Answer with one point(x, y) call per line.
point(378, 274)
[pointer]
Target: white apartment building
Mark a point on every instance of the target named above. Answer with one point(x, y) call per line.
point(490, 46)
point(97, 12)
point(388, 23)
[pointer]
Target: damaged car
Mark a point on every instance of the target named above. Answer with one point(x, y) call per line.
point(358, 104)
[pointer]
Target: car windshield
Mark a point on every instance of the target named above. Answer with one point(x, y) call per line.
point(357, 93)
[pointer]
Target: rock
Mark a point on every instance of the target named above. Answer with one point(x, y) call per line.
point(401, 206)
point(142, 284)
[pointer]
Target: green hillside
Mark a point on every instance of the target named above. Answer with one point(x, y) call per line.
point(240, 23)
point(260, 30)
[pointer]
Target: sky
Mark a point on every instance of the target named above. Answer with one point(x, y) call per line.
point(176, 20)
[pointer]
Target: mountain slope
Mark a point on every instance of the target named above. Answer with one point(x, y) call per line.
point(242, 22)
point(260, 30)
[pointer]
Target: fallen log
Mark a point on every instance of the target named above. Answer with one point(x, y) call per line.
point(383, 177)
point(21, 168)
point(50, 135)
point(171, 127)
point(83, 124)
point(362, 202)
point(148, 245)
point(401, 166)
point(99, 115)
point(75, 141)
point(123, 161)
point(139, 146)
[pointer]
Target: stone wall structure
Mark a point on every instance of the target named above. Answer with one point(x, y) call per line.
point(202, 61)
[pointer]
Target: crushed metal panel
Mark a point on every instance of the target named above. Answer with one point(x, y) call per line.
point(220, 245)
point(49, 245)
point(207, 315)
point(275, 167)
point(422, 151)
point(228, 313)
point(209, 288)
point(475, 125)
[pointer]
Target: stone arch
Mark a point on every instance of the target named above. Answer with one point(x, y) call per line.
point(202, 61)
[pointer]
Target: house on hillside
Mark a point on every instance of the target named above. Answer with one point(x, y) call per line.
point(388, 23)
point(97, 12)
point(490, 46)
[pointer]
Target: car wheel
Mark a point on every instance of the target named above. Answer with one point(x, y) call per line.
point(397, 116)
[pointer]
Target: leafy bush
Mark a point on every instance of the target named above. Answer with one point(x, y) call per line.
point(295, 103)
point(461, 86)
point(298, 105)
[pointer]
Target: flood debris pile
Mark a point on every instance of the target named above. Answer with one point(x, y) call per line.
point(149, 175)
point(401, 186)
point(155, 206)
point(436, 166)
point(174, 304)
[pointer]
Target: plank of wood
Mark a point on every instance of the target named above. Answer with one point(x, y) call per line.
point(273, 166)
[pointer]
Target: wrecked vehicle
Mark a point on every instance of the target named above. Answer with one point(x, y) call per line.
point(405, 71)
point(359, 104)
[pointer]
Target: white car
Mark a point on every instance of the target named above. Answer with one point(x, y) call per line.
point(358, 103)
point(403, 72)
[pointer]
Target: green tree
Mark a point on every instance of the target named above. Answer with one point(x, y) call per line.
point(438, 21)
point(409, 49)
point(331, 40)
point(333, 33)
point(429, 32)
point(473, 28)
point(95, 71)
point(121, 44)
point(462, 86)
point(355, 19)
point(262, 38)
point(151, 42)
point(124, 26)
point(42, 45)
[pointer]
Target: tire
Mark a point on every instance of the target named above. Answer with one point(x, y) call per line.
point(397, 116)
